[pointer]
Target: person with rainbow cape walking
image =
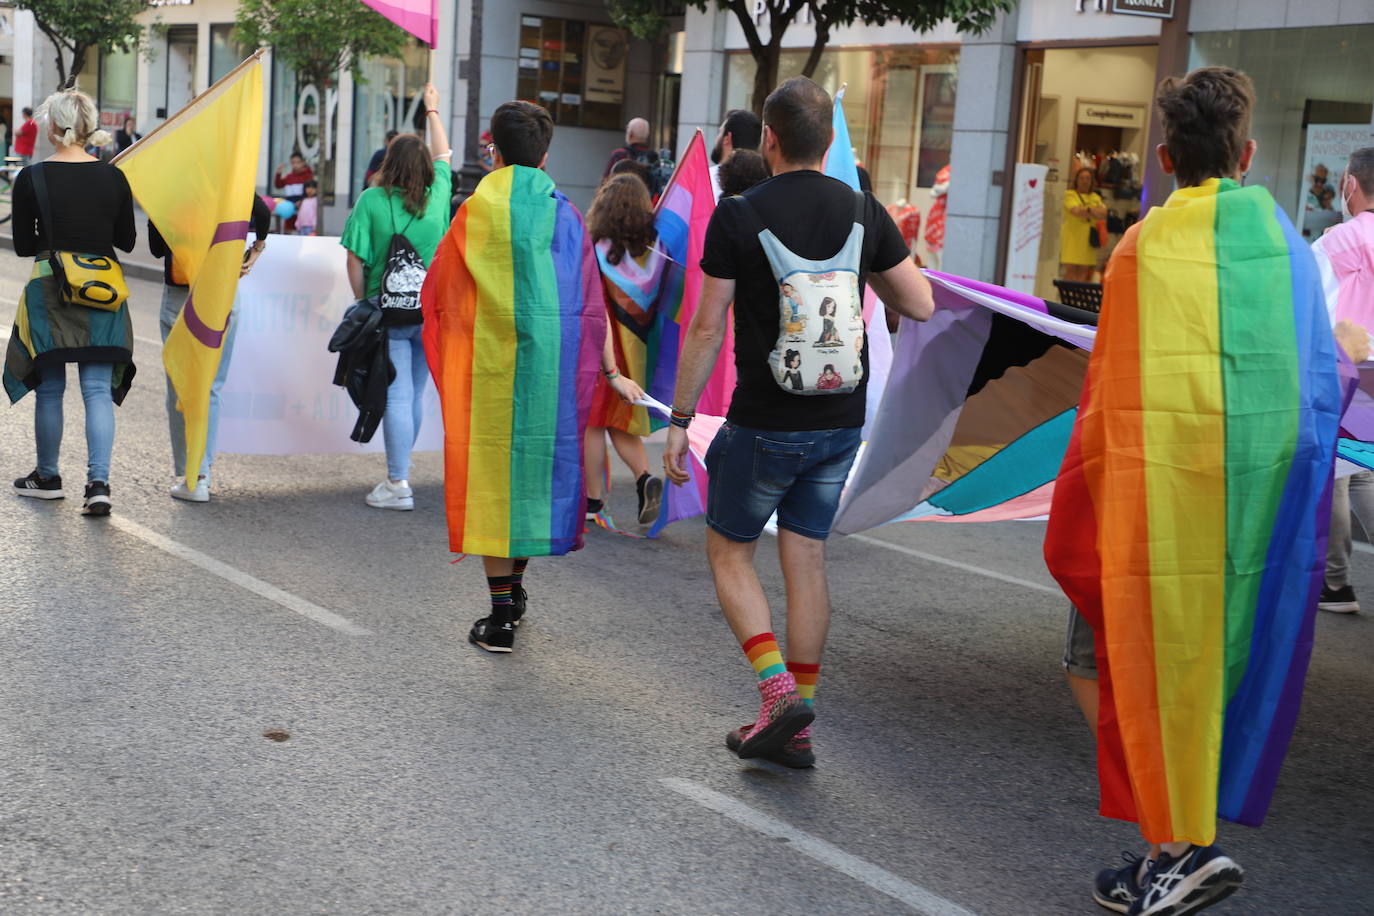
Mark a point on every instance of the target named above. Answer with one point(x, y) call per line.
point(514, 329)
point(1190, 515)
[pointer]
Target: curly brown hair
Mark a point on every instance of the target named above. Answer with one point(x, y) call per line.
point(1206, 120)
point(623, 213)
point(408, 169)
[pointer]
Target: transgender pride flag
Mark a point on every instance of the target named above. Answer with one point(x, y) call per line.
point(418, 17)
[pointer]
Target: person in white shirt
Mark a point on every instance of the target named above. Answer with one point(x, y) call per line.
point(1345, 261)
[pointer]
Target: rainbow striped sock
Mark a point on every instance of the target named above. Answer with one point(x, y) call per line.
point(805, 676)
point(517, 575)
point(501, 589)
point(764, 655)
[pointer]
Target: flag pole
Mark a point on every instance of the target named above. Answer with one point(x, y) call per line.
point(253, 58)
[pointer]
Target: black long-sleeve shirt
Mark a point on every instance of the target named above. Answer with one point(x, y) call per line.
point(92, 210)
point(261, 223)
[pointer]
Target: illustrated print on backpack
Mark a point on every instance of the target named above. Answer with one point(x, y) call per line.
point(820, 311)
point(402, 277)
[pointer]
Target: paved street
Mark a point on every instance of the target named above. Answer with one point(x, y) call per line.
point(585, 773)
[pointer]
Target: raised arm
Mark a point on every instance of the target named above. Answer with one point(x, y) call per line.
point(438, 137)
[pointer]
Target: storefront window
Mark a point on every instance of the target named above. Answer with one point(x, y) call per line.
point(387, 98)
point(1314, 95)
point(225, 53)
point(112, 80)
point(574, 69)
point(899, 104)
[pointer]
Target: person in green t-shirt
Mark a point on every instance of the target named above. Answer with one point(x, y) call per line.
point(410, 198)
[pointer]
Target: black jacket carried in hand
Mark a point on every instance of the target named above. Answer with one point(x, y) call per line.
point(364, 368)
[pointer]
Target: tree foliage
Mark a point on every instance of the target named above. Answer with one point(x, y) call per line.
point(317, 38)
point(645, 19)
point(77, 27)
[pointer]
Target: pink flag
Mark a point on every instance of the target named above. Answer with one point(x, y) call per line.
point(418, 17)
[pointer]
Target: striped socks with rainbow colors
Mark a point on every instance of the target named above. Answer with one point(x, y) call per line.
point(502, 600)
point(805, 676)
point(775, 681)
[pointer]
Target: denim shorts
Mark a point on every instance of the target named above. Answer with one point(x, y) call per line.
point(755, 472)
point(1080, 649)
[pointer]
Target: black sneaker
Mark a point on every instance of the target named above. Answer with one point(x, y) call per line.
point(519, 598)
point(97, 499)
point(1202, 876)
point(796, 753)
point(493, 634)
point(786, 716)
point(1118, 888)
point(650, 497)
point(39, 487)
point(1336, 600)
point(594, 507)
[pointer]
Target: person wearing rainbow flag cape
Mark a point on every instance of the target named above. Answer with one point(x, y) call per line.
point(514, 330)
point(1190, 515)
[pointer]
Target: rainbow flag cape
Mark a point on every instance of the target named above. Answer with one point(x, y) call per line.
point(638, 294)
point(514, 327)
point(684, 212)
point(212, 147)
point(1190, 517)
point(976, 416)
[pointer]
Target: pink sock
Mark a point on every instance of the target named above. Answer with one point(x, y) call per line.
point(772, 690)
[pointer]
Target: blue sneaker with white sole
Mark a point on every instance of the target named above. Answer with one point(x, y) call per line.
point(1117, 888)
point(1202, 876)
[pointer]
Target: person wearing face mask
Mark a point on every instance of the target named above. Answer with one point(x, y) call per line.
point(1345, 261)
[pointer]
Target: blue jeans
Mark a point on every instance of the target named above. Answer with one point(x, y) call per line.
point(756, 472)
point(405, 398)
point(100, 421)
point(173, 298)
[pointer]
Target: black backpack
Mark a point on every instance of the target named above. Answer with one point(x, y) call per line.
point(402, 278)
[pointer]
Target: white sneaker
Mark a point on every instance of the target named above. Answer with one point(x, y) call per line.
point(201, 493)
point(388, 495)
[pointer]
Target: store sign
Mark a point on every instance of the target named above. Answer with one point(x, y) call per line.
point(1128, 116)
point(1329, 147)
point(315, 125)
point(1159, 9)
point(607, 50)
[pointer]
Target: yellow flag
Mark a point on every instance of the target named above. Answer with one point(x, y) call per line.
point(195, 176)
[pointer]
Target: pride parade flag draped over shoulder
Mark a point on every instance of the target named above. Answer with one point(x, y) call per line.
point(194, 175)
point(1190, 517)
point(514, 327)
point(684, 212)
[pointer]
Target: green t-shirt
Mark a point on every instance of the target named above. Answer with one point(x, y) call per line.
point(379, 215)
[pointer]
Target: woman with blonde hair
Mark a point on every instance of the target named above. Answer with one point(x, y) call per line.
point(70, 202)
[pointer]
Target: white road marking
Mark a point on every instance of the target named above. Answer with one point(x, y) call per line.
point(1362, 547)
point(966, 567)
point(238, 577)
point(880, 879)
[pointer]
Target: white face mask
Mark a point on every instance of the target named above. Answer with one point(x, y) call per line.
point(1346, 214)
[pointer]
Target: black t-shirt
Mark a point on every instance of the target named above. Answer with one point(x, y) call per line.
point(92, 210)
point(812, 216)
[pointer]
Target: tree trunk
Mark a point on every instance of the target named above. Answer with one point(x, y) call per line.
point(813, 59)
point(78, 64)
point(765, 73)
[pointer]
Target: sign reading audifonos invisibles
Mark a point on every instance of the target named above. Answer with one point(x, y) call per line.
point(1161, 9)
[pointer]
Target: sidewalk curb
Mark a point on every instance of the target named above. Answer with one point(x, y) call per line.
point(135, 269)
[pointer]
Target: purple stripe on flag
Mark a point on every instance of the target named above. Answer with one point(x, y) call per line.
point(230, 232)
point(199, 329)
point(1001, 292)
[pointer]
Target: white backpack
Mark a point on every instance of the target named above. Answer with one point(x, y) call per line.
point(820, 342)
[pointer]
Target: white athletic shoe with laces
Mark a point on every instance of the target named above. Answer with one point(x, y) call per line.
point(388, 495)
point(199, 494)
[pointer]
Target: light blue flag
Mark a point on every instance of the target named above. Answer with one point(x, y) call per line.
point(839, 161)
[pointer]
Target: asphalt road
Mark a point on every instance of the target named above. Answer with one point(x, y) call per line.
point(585, 773)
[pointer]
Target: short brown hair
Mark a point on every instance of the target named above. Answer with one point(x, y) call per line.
point(623, 213)
point(799, 114)
point(522, 132)
point(1206, 119)
point(744, 169)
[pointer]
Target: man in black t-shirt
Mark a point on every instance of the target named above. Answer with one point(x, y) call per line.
point(795, 420)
